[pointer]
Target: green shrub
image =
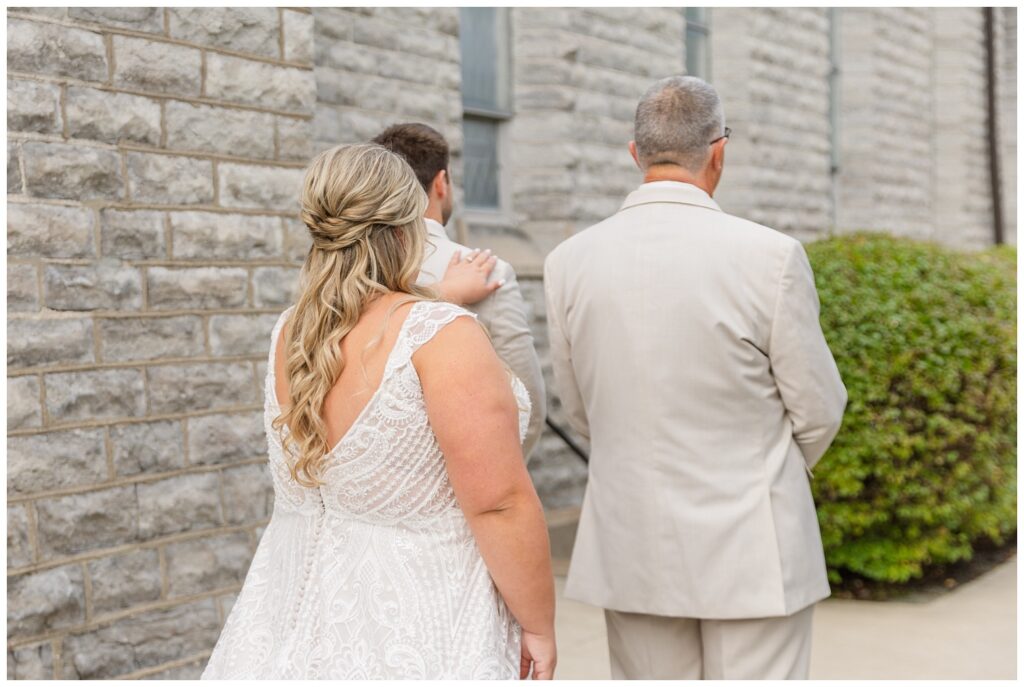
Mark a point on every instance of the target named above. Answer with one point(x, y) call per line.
point(924, 466)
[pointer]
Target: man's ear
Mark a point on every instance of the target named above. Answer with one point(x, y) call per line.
point(439, 185)
point(718, 154)
point(636, 158)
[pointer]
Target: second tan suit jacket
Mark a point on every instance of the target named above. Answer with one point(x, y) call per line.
point(686, 345)
point(504, 314)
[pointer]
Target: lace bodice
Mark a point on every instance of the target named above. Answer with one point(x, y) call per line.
point(375, 573)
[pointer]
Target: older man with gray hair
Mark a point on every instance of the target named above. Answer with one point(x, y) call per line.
point(686, 346)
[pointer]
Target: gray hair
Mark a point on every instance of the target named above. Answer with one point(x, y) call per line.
point(675, 120)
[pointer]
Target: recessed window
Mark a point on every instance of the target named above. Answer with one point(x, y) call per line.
point(486, 102)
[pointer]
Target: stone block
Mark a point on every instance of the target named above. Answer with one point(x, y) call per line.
point(23, 408)
point(241, 133)
point(215, 439)
point(147, 19)
point(50, 231)
point(132, 234)
point(242, 29)
point(41, 462)
point(197, 287)
point(147, 447)
point(35, 342)
point(238, 80)
point(200, 386)
point(147, 338)
point(33, 662)
point(275, 287)
point(19, 547)
point(45, 600)
point(142, 641)
point(14, 184)
point(73, 172)
point(178, 504)
point(214, 235)
point(294, 138)
point(33, 106)
point(112, 117)
point(345, 56)
point(105, 285)
point(156, 66)
point(83, 522)
point(248, 494)
point(296, 239)
point(258, 186)
point(22, 287)
point(124, 580)
point(169, 179)
point(418, 41)
point(195, 566)
point(94, 394)
point(241, 334)
point(298, 36)
point(55, 50)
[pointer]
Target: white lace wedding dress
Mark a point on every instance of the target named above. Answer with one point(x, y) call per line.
point(375, 574)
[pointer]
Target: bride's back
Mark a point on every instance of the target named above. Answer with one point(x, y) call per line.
point(365, 350)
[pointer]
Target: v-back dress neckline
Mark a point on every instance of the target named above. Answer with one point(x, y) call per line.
point(272, 372)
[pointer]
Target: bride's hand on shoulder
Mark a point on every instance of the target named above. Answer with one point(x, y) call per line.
point(465, 280)
point(539, 651)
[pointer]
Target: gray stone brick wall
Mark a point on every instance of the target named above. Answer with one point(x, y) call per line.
point(154, 160)
point(913, 137)
point(776, 99)
point(1006, 56)
point(886, 158)
point(378, 66)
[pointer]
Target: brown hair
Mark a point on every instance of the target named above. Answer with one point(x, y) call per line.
point(423, 147)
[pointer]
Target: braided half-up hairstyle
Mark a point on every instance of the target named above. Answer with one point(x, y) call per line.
point(364, 209)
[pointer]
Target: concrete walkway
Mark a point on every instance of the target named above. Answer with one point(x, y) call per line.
point(970, 633)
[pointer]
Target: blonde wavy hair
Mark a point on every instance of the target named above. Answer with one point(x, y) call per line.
point(364, 209)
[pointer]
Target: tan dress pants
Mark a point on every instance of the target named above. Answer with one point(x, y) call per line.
point(651, 647)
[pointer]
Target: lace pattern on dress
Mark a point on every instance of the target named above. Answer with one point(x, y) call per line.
point(375, 574)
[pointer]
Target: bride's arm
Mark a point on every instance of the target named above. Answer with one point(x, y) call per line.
point(474, 415)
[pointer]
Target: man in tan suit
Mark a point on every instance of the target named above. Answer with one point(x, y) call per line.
point(686, 346)
point(503, 312)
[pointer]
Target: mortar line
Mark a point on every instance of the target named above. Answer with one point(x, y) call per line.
point(110, 31)
point(155, 95)
point(132, 546)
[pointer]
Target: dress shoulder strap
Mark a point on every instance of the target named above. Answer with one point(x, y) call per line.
point(424, 321)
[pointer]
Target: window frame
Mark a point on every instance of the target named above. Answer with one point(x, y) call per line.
point(500, 216)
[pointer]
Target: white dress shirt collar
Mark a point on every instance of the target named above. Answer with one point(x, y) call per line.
point(435, 230)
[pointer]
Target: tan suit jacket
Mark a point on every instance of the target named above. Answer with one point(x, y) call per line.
point(686, 345)
point(503, 313)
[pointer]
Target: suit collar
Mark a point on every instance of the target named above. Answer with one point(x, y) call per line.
point(435, 230)
point(669, 192)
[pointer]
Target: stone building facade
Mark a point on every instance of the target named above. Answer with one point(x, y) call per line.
point(154, 158)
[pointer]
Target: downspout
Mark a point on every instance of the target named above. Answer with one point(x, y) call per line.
point(995, 177)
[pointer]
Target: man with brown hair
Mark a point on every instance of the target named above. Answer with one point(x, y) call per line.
point(504, 311)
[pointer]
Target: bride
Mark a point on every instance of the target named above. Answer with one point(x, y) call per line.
point(407, 540)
